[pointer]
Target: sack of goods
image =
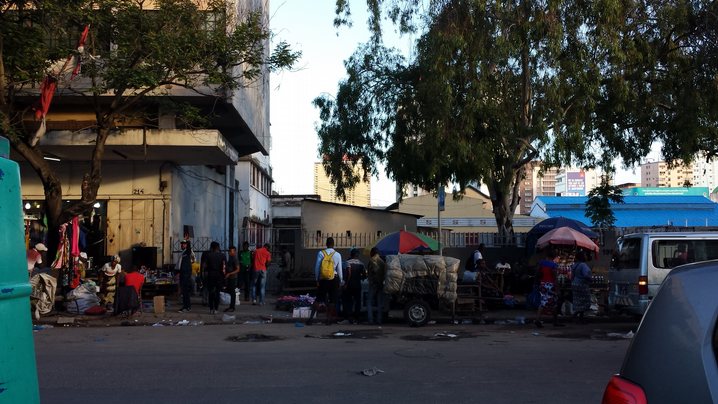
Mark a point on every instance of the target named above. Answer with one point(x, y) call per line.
point(420, 274)
point(82, 298)
point(447, 283)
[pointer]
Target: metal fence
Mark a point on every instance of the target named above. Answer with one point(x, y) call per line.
point(450, 239)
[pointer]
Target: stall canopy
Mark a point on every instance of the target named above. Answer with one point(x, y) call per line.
point(402, 242)
point(566, 236)
point(549, 224)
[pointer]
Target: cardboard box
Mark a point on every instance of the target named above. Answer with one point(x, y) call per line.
point(159, 303)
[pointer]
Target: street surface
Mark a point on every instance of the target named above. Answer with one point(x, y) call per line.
point(197, 364)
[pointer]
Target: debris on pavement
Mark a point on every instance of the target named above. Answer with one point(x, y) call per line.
point(628, 335)
point(228, 319)
point(371, 372)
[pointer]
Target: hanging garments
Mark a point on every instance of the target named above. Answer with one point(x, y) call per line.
point(74, 242)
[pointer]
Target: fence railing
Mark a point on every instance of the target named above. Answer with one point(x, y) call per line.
point(341, 240)
point(450, 239)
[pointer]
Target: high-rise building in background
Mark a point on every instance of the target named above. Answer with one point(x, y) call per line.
point(657, 174)
point(410, 191)
point(535, 184)
point(705, 173)
point(359, 196)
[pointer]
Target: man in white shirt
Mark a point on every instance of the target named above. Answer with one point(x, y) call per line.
point(478, 255)
point(503, 266)
point(327, 285)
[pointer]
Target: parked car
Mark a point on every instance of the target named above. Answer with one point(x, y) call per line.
point(642, 260)
point(673, 358)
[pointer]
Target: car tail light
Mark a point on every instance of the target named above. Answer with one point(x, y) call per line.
point(642, 285)
point(621, 391)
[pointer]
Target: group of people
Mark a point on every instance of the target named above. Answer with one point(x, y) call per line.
point(553, 297)
point(336, 278)
point(217, 271)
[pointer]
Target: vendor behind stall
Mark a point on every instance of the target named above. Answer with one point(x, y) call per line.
point(108, 280)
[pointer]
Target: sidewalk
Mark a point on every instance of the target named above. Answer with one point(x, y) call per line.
point(245, 312)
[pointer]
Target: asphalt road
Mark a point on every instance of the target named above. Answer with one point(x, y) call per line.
point(486, 364)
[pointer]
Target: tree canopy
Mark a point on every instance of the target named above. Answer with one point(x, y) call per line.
point(132, 50)
point(598, 204)
point(495, 85)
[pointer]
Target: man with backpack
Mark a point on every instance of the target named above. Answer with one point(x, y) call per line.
point(328, 273)
point(354, 273)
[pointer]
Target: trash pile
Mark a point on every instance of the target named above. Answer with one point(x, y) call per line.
point(288, 303)
point(422, 274)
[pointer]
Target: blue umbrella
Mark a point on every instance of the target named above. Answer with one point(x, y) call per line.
point(549, 224)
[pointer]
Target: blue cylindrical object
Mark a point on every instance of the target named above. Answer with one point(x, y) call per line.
point(18, 370)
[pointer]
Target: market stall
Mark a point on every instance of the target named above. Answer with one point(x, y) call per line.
point(568, 242)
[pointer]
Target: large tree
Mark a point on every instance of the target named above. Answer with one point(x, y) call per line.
point(134, 51)
point(495, 85)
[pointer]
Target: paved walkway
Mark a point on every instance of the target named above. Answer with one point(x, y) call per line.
point(245, 312)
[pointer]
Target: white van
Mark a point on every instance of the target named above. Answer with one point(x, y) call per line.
point(642, 260)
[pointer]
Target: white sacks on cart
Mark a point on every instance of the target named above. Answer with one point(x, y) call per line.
point(420, 273)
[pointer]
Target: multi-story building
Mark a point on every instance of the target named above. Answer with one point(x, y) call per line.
point(657, 174)
point(160, 178)
point(705, 173)
point(535, 184)
point(359, 196)
point(410, 191)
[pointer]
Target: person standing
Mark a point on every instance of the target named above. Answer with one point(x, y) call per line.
point(231, 277)
point(580, 287)
point(285, 269)
point(354, 273)
point(109, 281)
point(478, 255)
point(548, 274)
point(184, 266)
point(245, 270)
point(376, 272)
point(213, 263)
point(261, 259)
point(328, 273)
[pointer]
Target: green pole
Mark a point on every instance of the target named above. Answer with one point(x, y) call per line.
point(18, 371)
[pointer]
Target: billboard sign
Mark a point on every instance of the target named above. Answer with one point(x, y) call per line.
point(575, 184)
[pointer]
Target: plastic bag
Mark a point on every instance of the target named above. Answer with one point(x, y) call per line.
point(224, 298)
point(533, 299)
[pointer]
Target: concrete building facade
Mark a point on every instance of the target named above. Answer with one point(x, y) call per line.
point(657, 174)
point(160, 177)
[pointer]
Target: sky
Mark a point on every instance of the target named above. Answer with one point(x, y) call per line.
point(293, 117)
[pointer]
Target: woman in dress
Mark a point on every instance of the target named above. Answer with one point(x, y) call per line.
point(548, 273)
point(108, 281)
point(580, 283)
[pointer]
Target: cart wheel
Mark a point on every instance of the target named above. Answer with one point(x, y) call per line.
point(417, 313)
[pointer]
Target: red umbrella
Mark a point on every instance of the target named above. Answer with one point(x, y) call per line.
point(567, 236)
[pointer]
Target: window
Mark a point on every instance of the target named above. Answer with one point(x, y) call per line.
point(629, 255)
point(670, 253)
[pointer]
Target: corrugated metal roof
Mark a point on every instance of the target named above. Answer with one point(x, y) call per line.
point(628, 200)
point(633, 218)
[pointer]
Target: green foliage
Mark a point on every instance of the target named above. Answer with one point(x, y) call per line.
point(495, 85)
point(598, 204)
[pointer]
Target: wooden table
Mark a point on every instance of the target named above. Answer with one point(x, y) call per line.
point(170, 290)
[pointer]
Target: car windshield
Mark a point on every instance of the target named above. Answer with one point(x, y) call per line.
point(671, 253)
point(627, 254)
